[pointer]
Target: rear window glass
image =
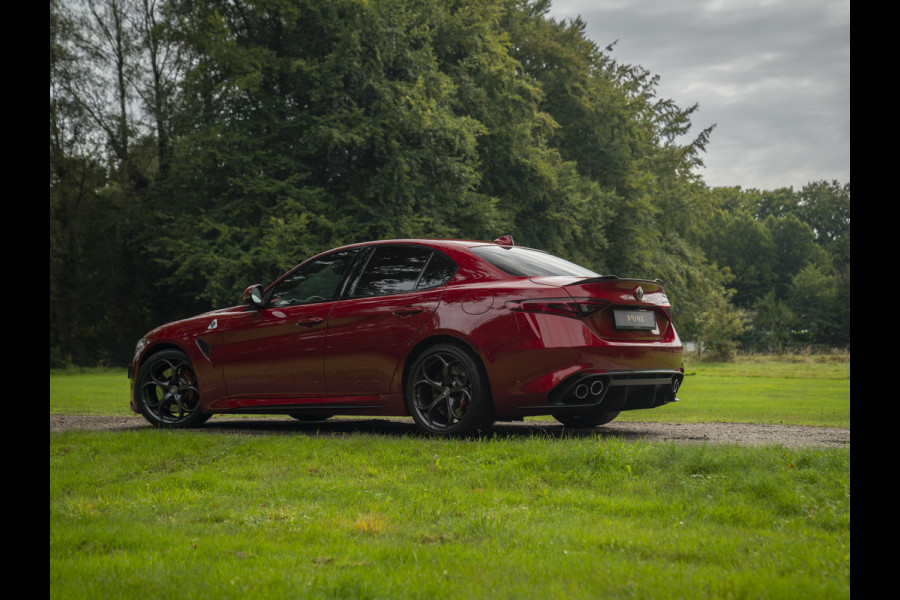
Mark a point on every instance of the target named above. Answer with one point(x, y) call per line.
point(438, 272)
point(526, 262)
point(392, 270)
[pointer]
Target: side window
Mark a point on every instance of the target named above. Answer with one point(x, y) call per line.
point(392, 270)
point(438, 271)
point(315, 281)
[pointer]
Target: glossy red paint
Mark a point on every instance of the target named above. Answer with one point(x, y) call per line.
point(531, 338)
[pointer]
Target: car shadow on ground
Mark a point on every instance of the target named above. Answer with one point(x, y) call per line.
point(403, 428)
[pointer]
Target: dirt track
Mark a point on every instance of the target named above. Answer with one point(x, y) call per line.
point(712, 433)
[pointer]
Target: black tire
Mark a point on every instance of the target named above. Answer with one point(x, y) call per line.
point(167, 391)
point(586, 420)
point(447, 393)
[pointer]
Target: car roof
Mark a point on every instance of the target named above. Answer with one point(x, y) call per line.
point(427, 242)
point(458, 250)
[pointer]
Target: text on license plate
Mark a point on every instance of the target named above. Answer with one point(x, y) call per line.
point(634, 319)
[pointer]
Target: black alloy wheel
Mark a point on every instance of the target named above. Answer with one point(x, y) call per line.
point(167, 391)
point(447, 393)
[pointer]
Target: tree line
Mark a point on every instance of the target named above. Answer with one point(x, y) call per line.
point(197, 147)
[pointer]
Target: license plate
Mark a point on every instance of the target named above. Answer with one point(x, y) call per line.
point(635, 319)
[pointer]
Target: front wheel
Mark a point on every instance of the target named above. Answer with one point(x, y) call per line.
point(586, 420)
point(447, 393)
point(167, 391)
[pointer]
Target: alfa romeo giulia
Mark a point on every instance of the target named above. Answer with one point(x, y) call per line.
point(456, 334)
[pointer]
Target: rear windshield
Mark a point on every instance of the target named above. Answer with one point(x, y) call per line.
point(525, 262)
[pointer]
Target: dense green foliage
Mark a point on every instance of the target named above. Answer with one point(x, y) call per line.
point(197, 147)
point(790, 256)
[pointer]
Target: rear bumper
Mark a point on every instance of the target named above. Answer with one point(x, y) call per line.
point(539, 372)
point(612, 391)
point(616, 391)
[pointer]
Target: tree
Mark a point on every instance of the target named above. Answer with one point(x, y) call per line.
point(786, 250)
point(102, 160)
point(773, 323)
point(721, 326)
point(306, 125)
point(813, 298)
point(746, 247)
point(75, 178)
point(825, 206)
point(217, 144)
point(795, 247)
point(163, 65)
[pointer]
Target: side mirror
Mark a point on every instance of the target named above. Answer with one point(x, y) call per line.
point(253, 295)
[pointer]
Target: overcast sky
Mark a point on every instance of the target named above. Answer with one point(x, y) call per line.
point(773, 75)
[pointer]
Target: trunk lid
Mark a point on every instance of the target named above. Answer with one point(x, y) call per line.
point(620, 309)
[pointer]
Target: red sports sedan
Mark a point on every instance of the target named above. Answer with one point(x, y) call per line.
point(456, 334)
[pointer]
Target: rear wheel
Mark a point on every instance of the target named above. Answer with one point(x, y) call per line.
point(586, 420)
point(447, 393)
point(167, 391)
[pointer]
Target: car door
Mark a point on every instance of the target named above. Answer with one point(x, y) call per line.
point(399, 288)
point(276, 351)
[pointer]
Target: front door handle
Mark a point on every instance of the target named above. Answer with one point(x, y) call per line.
point(407, 311)
point(310, 321)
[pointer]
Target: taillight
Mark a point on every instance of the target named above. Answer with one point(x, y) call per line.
point(576, 308)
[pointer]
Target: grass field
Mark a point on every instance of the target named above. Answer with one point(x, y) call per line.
point(194, 514)
point(796, 390)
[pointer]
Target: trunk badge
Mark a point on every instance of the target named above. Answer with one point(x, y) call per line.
point(639, 293)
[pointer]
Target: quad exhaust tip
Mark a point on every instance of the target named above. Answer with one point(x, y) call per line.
point(595, 388)
point(638, 389)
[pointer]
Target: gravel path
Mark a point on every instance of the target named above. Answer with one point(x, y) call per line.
point(736, 433)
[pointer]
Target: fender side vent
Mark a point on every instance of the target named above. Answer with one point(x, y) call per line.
point(204, 347)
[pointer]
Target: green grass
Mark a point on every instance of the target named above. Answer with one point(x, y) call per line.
point(791, 390)
point(200, 514)
point(90, 392)
point(157, 514)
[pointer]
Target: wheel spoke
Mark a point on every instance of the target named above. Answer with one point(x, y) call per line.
point(425, 381)
point(451, 413)
point(442, 390)
point(187, 388)
point(430, 406)
point(159, 378)
point(153, 393)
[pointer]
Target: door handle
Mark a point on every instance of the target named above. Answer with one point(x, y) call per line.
point(407, 311)
point(310, 321)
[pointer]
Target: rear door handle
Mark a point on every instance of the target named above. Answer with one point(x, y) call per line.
point(310, 321)
point(407, 311)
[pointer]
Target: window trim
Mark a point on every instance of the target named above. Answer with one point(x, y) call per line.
point(270, 292)
point(349, 290)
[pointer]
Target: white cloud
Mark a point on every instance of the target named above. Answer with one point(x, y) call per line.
point(773, 75)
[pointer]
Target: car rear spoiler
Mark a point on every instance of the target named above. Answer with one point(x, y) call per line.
point(603, 278)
